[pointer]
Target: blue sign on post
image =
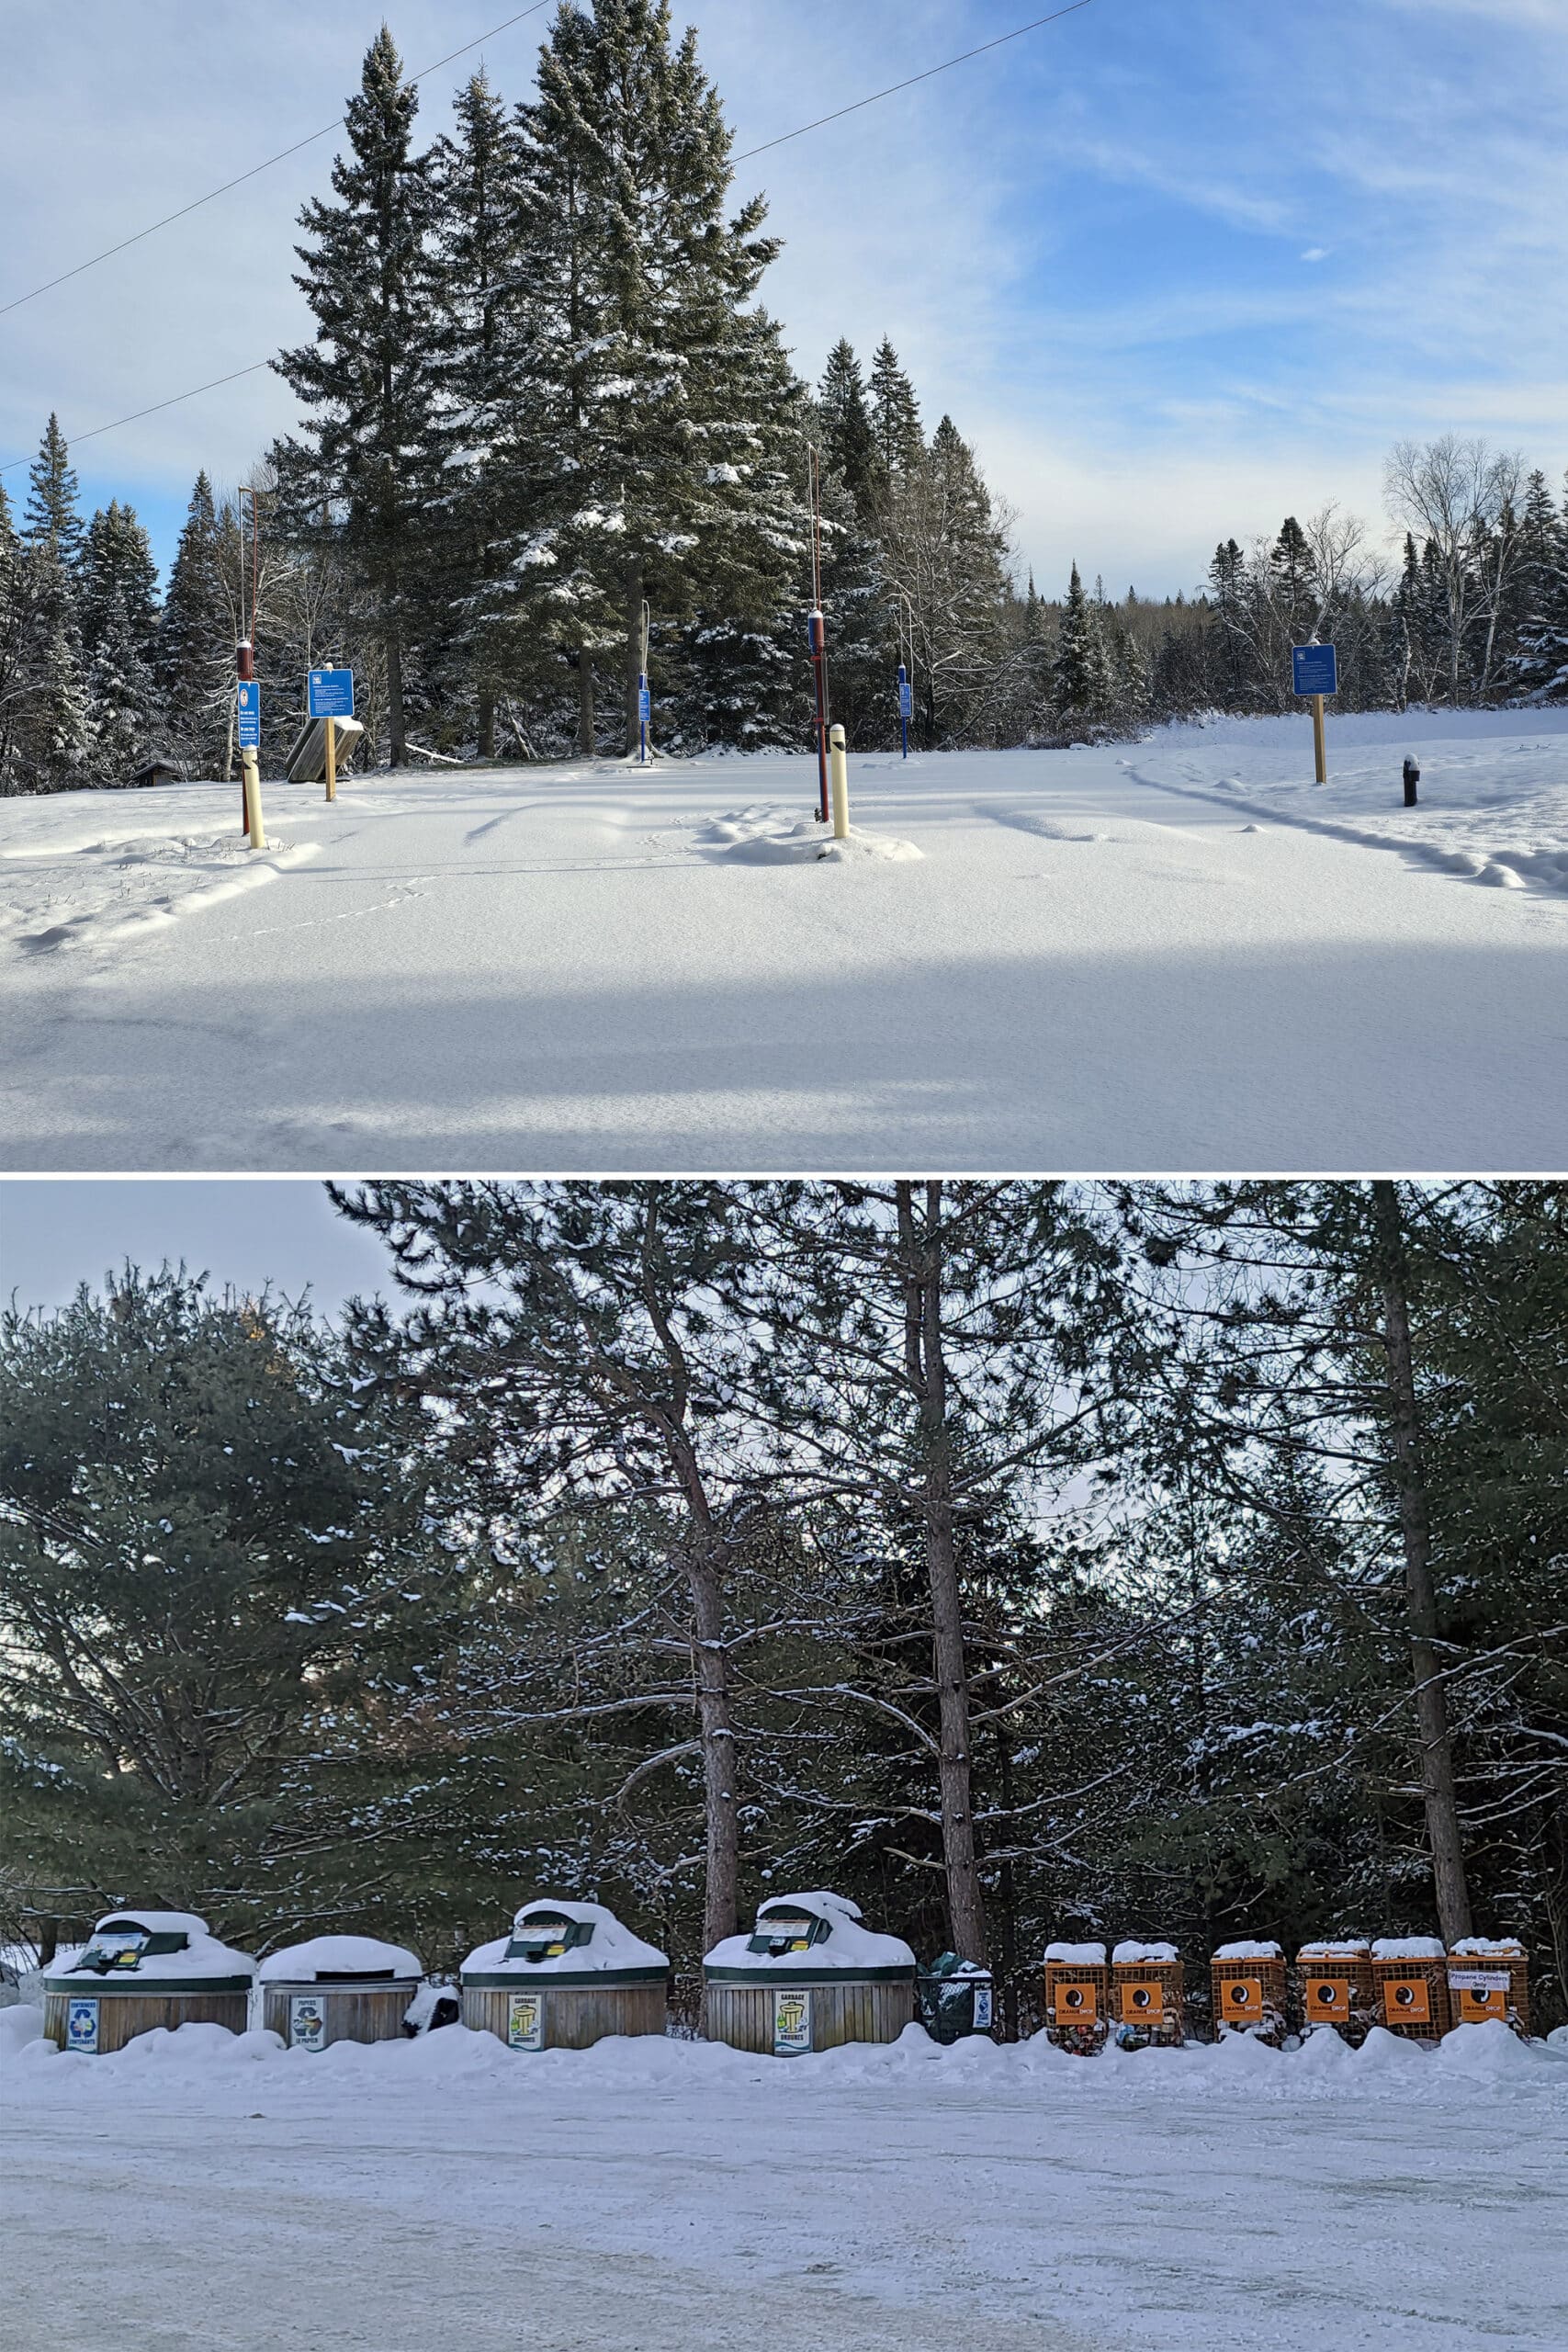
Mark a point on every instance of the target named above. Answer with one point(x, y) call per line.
point(1314, 670)
point(250, 715)
point(907, 700)
point(331, 694)
point(644, 705)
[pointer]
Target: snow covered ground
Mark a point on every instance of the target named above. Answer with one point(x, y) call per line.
point(1173, 955)
point(203, 2193)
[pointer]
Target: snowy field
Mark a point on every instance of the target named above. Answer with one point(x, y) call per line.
point(203, 2193)
point(1178, 954)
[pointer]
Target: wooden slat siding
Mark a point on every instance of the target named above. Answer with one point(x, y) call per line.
point(742, 2014)
point(122, 2016)
point(575, 2018)
point(363, 2013)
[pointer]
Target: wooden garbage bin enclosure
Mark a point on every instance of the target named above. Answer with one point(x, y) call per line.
point(569, 1974)
point(809, 1976)
point(1078, 1998)
point(1489, 1979)
point(338, 1988)
point(1410, 1984)
point(1336, 1987)
point(140, 1970)
point(1249, 1989)
point(1148, 1990)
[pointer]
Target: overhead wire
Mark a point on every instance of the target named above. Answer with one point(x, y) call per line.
point(256, 367)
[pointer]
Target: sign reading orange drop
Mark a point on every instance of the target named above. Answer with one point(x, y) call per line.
point(1407, 2000)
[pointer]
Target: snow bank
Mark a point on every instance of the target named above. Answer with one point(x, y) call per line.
point(757, 837)
point(338, 1956)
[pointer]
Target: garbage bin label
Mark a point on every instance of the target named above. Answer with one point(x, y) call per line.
point(307, 2022)
point(1243, 2000)
point(1142, 2004)
point(1479, 1994)
point(82, 2025)
point(792, 2023)
point(526, 2021)
point(1077, 2004)
point(982, 2008)
point(1328, 1999)
point(1407, 2000)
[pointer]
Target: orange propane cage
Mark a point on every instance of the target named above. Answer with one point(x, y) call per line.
point(1248, 1982)
point(1490, 1979)
point(1078, 1996)
point(1336, 1987)
point(1147, 1984)
point(1410, 1981)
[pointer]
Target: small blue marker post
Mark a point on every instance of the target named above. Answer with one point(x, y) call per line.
point(644, 713)
point(1314, 670)
point(906, 706)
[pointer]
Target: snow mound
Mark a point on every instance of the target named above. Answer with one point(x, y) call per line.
point(610, 1946)
point(746, 840)
point(19, 2024)
point(848, 1943)
point(1408, 1948)
point(1077, 1955)
point(1245, 1950)
point(338, 1956)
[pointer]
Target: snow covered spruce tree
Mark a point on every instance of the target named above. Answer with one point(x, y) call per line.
point(193, 657)
point(49, 673)
point(368, 467)
point(1539, 667)
point(1081, 683)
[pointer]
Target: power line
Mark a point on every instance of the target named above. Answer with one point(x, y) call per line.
point(283, 153)
point(784, 137)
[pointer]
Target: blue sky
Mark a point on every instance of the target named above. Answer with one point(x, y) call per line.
point(1173, 269)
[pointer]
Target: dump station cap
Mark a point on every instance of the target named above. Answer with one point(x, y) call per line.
point(152, 1949)
point(552, 1938)
point(340, 1960)
point(818, 1934)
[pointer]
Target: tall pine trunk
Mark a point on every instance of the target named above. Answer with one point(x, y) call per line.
point(633, 652)
point(927, 1365)
point(1443, 1831)
point(585, 743)
point(393, 644)
point(722, 1885)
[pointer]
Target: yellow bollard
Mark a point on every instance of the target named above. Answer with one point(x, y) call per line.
point(254, 825)
point(840, 766)
point(1319, 746)
point(331, 726)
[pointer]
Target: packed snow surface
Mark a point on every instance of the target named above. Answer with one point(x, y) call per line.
point(610, 1946)
point(199, 2192)
point(1176, 954)
point(338, 1956)
point(849, 1943)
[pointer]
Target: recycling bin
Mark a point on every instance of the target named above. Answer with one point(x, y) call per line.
point(140, 1970)
point(1335, 1983)
point(338, 1988)
point(569, 1974)
point(1490, 1979)
point(1078, 1998)
point(809, 1976)
point(1249, 1988)
point(1410, 1986)
point(955, 1998)
point(1148, 1990)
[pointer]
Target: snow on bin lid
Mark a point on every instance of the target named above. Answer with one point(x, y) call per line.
point(1408, 1948)
point(344, 1957)
point(1077, 1955)
point(588, 1941)
point(153, 1947)
point(1489, 1948)
point(1356, 1948)
point(830, 1940)
point(1141, 1955)
point(1249, 1952)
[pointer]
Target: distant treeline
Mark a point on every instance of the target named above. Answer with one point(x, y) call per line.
point(542, 393)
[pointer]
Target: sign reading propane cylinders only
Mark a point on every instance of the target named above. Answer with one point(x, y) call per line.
point(1314, 670)
point(250, 715)
point(331, 694)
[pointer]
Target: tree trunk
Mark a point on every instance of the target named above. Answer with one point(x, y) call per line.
point(635, 652)
point(395, 693)
point(927, 1367)
point(1421, 1604)
point(723, 1885)
point(487, 727)
point(585, 743)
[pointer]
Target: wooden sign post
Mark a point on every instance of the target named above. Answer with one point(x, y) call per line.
point(1314, 670)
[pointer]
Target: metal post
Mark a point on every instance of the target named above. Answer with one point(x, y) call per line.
point(245, 671)
point(819, 633)
point(1412, 778)
point(331, 726)
point(841, 788)
point(903, 712)
point(642, 690)
point(1319, 746)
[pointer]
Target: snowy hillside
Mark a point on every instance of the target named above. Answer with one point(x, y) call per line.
point(1175, 953)
point(678, 2197)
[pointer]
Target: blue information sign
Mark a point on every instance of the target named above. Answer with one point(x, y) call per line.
point(250, 716)
point(906, 701)
point(331, 694)
point(645, 706)
point(1314, 670)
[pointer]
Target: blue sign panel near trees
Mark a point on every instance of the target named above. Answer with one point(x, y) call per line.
point(1315, 669)
point(250, 716)
point(331, 693)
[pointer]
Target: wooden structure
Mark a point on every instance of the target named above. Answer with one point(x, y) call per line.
point(157, 771)
point(141, 1970)
point(1410, 1984)
point(1335, 1989)
point(307, 760)
point(338, 1988)
point(809, 1976)
point(569, 1976)
point(1249, 1988)
point(1489, 1979)
point(1078, 1998)
point(1147, 1994)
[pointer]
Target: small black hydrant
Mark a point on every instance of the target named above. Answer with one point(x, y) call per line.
point(1412, 778)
